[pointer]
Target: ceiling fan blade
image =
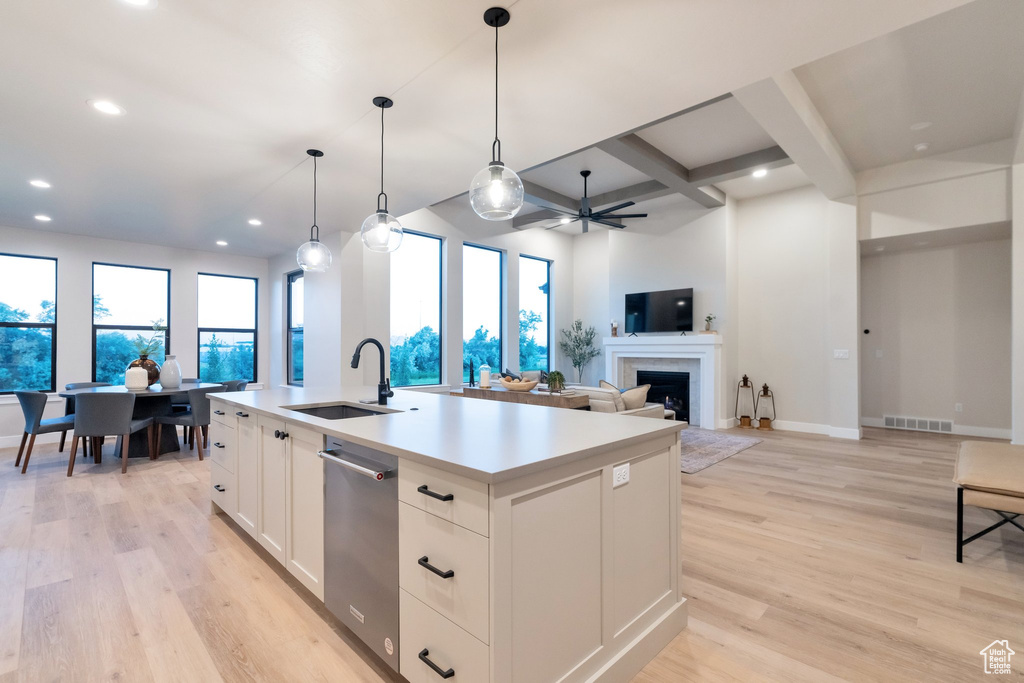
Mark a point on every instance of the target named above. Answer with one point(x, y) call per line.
point(623, 205)
point(621, 215)
point(601, 221)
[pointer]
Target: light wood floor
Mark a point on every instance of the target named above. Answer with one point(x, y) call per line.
point(807, 559)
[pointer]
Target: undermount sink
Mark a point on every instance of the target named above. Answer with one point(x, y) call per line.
point(336, 411)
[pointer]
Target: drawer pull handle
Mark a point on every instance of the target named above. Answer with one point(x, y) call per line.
point(427, 492)
point(218, 487)
point(241, 414)
point(218, 412)
point(218, 444)
point(425, 563)
point(438, 670)
point(277, 433)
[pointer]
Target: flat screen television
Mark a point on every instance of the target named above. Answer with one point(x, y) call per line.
point(667, 311)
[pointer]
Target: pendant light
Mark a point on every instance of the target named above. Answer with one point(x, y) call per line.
point(314, 256)
point(381, 231)
point(496, 192)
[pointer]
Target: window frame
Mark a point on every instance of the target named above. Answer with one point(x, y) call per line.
point(547, 319)
point(241, 330)
point(289, 330)
point(501, 299)
point(134, 328)
point(440, 311)
point(51, 326)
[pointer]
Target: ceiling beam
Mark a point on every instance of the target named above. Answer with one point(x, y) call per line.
point(641, 192)
point(648, 159)
point(783, 108)
point(548, 199)
point(727, 169)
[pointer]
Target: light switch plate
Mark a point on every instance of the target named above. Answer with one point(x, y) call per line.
point(841, 354)
point(620, 475)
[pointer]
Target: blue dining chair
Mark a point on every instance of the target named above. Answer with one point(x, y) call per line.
point(33, 403)
point(69, 409)
point(99, 415)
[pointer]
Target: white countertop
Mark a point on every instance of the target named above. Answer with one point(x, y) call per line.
point(490, 441)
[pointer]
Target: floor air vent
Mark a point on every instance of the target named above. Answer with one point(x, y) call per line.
point(918, 424)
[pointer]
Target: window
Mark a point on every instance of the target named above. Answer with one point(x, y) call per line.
point(295, 304)
point(416, 311)
point(130, 309)
point(481, 309)
point(534, 313)
point(227, 328)
point(28, 323)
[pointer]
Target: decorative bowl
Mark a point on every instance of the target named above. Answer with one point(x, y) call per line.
point(522, 385)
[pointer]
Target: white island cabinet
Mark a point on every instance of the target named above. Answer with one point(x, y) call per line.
point(519, 557)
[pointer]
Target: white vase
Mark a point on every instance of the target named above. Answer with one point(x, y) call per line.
point(136, 379)
point(170, 373)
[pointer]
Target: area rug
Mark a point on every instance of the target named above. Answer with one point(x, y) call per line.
point(702, 448)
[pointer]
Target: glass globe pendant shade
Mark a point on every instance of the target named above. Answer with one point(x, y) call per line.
point(381, 232)
point(496, 193)
point(313, 256)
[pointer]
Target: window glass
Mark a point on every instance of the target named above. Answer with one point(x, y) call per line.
point(28, 323)
point(130, 310)
point(534, 311)
point(416, 311)
point(481, 309)
point(227, 328)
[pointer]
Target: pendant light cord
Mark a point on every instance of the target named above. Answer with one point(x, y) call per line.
point(382, 194)
point(314, 226)
point(496, 145)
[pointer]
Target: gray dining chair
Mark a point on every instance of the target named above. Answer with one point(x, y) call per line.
point(33, 403)
point(235, 384)
point(197, 418)
point(104, 414)
point(69, 408)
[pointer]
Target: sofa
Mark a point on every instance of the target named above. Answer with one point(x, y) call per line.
point(602, 400)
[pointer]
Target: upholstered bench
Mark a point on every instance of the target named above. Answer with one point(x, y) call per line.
point(990, 475)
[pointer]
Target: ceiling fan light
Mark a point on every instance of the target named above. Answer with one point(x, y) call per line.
point(314, 257)
point(496, 192)
point(381, 232)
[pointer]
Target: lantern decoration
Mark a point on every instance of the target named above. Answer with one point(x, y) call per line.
point(761, 409)
point(744, 386)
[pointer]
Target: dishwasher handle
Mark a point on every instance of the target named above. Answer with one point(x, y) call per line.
point(376, 475)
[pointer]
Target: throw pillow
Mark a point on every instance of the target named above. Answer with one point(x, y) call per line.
point(636, 397)
point(620, 404)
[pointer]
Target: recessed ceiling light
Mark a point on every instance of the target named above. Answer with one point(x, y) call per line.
point(760, 173)
point(39, 183)
point(43, 218)
point(221, 243)
point(565, 220)
point(921, 147)
point(141, 3)
point(255, 221)
point(107, 107)
point(921, 125)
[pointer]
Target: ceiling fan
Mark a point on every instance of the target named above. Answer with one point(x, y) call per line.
point(586, 215)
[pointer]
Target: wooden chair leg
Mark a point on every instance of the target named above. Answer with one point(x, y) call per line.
point(199, 441)
point(206, 436)
point(28, 452)
point(191, 438)
point(149, 437)
point(159, 437)
point(74, 448)
point(21, 449)
point(97, 450)
point(85, 447)
point(60, 447)
point(124, 452)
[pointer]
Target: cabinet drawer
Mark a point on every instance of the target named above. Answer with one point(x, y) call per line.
point(222, 446)
point(468, 506)
point(222, 413)
point(463, 597)
point(446, 645)
point(222, 489)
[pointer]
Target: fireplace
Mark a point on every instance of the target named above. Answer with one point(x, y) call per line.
point(672, 389)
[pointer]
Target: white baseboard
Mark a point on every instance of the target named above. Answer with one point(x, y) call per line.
point(805, 427)
point(728, 423)
point(959, 430)
point(845, 433)
point(15, 441)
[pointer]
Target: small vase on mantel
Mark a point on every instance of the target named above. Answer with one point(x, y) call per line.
point(170, 373)
point(151, 368)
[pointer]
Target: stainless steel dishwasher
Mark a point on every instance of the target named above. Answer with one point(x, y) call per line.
point(361, 544)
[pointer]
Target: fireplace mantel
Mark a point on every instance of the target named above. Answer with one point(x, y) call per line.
point(706, 348)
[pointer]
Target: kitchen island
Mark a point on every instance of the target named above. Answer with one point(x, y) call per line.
point(533, 544)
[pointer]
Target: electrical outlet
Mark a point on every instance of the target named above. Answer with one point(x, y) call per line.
point(959, 407)
point(841, 354)
point(620, 475)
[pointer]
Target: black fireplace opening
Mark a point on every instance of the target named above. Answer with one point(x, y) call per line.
point(671, 389)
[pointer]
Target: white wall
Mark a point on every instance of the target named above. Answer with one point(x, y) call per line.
point(940, 335)
point(75, 255)
point(1017, 288)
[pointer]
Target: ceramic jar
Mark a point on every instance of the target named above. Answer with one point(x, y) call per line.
point(170, 373)
point(136, 378)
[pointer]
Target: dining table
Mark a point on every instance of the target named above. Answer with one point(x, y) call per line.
point(153, 401)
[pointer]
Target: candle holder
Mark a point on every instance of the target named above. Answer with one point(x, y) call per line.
point(742, 388)
point(765, 400)
point(615, 329)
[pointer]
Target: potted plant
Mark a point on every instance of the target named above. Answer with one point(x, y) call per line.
point(556, 381)
point(578, 345)
point(145, 347)
point(707, 322)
